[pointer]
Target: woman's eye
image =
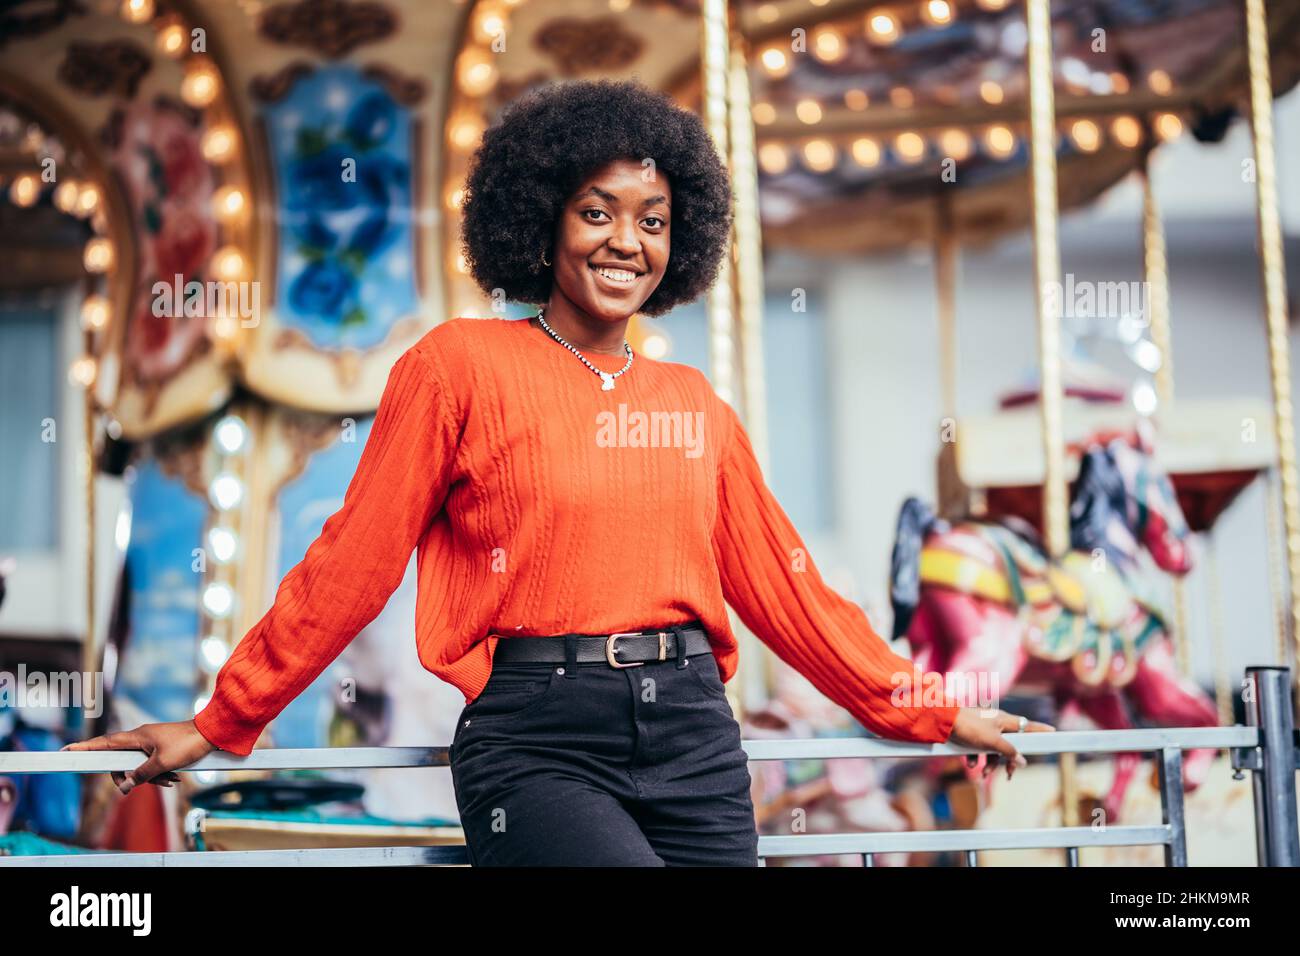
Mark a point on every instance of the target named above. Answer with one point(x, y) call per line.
point(654, 222)
point(594, 212)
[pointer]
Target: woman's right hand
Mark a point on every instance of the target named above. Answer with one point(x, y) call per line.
point(983, 730)
point(168, 746)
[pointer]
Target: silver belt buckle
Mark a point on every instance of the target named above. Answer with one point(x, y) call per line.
point(609, 649)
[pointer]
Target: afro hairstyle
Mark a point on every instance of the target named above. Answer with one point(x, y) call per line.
point(547, 142)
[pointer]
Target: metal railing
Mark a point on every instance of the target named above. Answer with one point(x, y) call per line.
point(1267, 748)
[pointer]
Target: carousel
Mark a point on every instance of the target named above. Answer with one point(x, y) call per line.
point(256, 205)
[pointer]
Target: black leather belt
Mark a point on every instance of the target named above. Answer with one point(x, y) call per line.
point(623, 649)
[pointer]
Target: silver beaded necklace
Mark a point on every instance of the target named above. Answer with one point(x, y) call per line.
point(607, 378)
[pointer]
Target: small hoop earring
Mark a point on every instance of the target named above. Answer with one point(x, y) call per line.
point(545, 261)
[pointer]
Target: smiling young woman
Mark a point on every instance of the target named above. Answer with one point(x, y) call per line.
point(572, 586)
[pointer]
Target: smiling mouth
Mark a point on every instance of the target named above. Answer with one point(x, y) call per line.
point(620, 276)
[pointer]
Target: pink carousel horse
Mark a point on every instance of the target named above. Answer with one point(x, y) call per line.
point(981, 601)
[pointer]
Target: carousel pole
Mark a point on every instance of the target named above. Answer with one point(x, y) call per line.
point(1047, 279)
point(749, 300)
point(714, 57)
point(946, 255)
point(1273, 272)
point(89, 652)
point(714, 54)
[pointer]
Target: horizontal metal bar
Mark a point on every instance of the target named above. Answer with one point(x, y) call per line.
point(938, 841)
point(455, 855)
point(1036, 744)
point(346, 758)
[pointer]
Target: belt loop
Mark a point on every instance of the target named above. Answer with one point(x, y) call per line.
point(571, 656)
point(681, 645)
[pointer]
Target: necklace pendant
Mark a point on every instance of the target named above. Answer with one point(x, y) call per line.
point(608, 381)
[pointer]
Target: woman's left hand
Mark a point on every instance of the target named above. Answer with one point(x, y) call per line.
point(983, 729)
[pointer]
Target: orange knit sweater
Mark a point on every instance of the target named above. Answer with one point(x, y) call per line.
point(539, 504)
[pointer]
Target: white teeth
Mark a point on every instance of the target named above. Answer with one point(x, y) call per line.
point(618, 275)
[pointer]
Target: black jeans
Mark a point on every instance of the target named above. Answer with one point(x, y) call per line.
point(557, 765)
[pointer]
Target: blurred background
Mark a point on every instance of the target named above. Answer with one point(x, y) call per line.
point(878, 325)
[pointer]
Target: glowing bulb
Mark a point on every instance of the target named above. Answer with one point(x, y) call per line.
point(910, 146)
point(882, 27)
point(937, 12)
point(808, 111)
point(98, 255)
point(866, 152)
point(1168, 126)
point(775, 61)
point(213, 653)
point(87, 200)
point(65, 195)
point(1127, 131)
point(1160, 82)
point(764, 114)
point(1000, 141)
point(465, 132)
point(856, 99)
point(228, 203)
point(201, 85)
point(955, 143)
point(819, 154)
point(655, 345)
point(82, 371)
point(226, 491)
point(902, 97)
point(828, 45)
point(171, 40)
point(1086, 135)
point(94, 313)
point(773, 158)
point(137, 11)
point(475, 71)
point(228, 263)
point(218, 144)
point(223, 543)
point(218, 600)
point(991, 92)
point(230, 434)
point(25, 190)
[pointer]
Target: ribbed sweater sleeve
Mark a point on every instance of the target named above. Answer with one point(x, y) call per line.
point(774, 587)
point(351, 569)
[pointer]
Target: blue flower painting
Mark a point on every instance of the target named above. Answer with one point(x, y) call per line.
point(159, 672)
point(304, 503)
point(341, 148)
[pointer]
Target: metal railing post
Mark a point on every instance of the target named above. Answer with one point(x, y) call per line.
point(1276, 832)
point(1169, 769)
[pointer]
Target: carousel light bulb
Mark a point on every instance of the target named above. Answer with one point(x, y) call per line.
point(1147, 355)
point(489, 22)
point(465, 132)
point(768, 13)
point(171, 40)
point(1168, 126)
point(137, 11)
point(618, 6)
point(808, 111)
point(218, 144)
point(882, 27)
point(223, 543)
point(95, 311)
point(218, 600)
point(1160, 82)
point(937, 12)
point(201, 84)
point(856, 99)
point(955, 143)
point(775, 61)
point(122, 528)
point(819, 155)
point(1001, 142)
point(213, 653)
point(224, 326)
point(902, 98)
point(1119, 82)
point(455, 198)
point(1085, 135)
point(65, 195)
point(98, 255)
point(1127, 131)
point(230, 434)
point(1144, 398)
point(655, 346)
point(993, 5)
point(228, 264)
point(25, 190)
point(909, 146)
point(764, 114)
point(991, 92)
point(866, 151)
point(828, 45)
point(773, 159)
point(226, 491)
point(87, 200)
point(82, 371)
point(475, 72)
point(228, 203)
point(462, 264)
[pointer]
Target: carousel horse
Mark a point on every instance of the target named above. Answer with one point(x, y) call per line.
point(982, 600)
